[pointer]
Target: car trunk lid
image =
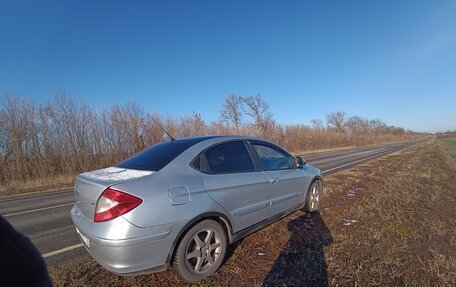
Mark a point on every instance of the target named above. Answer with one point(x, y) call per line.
point(90, 185)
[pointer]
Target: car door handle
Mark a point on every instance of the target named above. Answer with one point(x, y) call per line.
point(274, 180)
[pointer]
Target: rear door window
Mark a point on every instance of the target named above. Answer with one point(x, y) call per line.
point(229, 157)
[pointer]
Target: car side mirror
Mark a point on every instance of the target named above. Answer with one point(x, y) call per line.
point(300, 162)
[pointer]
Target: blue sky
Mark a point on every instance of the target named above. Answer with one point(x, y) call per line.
point(393, 60)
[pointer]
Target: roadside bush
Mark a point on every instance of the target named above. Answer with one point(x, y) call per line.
point(64, 136)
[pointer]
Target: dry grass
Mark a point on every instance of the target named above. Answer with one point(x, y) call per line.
point(449, 145)
point(385, 223)
point(406, 231)
point(38, 185)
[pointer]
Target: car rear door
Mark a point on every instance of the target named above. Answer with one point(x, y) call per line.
point(287, 183)
point(234, 182)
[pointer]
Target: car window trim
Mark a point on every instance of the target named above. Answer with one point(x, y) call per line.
point(256, 159)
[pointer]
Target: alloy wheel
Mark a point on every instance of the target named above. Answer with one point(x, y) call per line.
point(314, 197)
point(203, 250)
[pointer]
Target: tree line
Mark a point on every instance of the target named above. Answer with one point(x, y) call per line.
point(65, 136)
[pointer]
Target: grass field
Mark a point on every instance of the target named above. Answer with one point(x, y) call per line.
point(449, 145)
point(389, 222)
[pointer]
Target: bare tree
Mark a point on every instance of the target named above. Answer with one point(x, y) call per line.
point(199, 126)
point(5, 149)
point(232, 110)
point(317, 124)
point(192, 125)
point(65, 136)
point(153, 132)
point(336, 120)
point(357, 124)
point(71, 130)
point(377, 126)
point(218, 128)
point(259, 111)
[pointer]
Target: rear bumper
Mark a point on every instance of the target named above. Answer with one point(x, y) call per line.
point(144, 253)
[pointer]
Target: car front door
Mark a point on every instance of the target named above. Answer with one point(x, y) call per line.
point(232, 180)
point(287, 183)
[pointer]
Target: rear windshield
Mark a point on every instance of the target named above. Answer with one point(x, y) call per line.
point(158, 156)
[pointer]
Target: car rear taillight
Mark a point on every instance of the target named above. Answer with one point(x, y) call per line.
point(113, 203)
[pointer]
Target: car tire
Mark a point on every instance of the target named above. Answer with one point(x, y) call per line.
point(313, 197)
point(201, 251)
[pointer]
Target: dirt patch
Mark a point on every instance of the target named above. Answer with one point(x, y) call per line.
point(387, 222)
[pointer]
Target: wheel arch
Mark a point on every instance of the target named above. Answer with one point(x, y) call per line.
point(222, 219)
point(317, 178)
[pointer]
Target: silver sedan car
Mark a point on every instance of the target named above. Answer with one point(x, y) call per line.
point(181, 202)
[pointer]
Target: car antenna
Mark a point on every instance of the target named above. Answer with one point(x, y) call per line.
point(166, 132)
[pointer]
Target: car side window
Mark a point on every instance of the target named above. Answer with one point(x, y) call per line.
point(272, 158)
point(229, 157)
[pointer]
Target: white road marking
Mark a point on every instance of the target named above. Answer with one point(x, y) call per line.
point(66, 249)
point(356, 161)
point(38, 209)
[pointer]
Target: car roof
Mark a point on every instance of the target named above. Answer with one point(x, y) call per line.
point(197, 139)
point(213, 139)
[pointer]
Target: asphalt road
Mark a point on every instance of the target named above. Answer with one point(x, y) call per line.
point(45, 218)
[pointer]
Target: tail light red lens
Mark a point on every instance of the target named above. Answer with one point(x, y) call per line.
point(113, 203)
